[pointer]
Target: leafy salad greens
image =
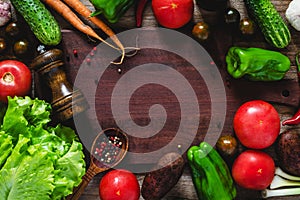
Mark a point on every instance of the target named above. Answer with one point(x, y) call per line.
point(37, 161)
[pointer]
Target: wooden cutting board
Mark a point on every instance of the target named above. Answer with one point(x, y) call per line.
point(284, 92)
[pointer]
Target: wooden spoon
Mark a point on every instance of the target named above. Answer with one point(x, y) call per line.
point(108, 142)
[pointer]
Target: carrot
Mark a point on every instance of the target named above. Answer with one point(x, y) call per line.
point(73, 19)
point(81, 9)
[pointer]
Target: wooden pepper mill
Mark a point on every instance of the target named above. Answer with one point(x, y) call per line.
point(66, 101)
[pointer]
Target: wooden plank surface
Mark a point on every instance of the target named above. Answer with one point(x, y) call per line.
point(285, 106)
point(236, 91)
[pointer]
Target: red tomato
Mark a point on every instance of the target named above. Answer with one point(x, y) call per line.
point(173, 13)
point(15, 79)
point(256, 124)
point(253, 169)
point(119, 184)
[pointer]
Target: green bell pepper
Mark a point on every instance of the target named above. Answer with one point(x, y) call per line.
point(210, 174)
point(256, 64)
point(112, 10)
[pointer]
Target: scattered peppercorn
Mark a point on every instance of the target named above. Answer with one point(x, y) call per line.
point(75, 53)
point(107, 150)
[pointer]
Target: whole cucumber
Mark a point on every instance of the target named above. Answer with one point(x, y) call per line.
point(41, 22)
point(270, 22)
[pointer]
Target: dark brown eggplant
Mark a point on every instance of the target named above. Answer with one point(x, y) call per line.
point(160, 181)
point(288, 150)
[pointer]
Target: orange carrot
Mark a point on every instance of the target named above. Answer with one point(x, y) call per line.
point(73, 19)
point(81, 9)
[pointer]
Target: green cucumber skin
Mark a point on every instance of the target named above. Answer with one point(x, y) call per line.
point(270, 22)
point(41, 22)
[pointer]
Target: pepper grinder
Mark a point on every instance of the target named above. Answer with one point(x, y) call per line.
point(65, 100)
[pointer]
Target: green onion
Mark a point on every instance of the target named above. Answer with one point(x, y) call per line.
point(281, 179)
point(266, 193)
point(279, 182)
point(285, 175)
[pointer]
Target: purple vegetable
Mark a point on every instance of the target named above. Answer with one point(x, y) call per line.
point(5, 12)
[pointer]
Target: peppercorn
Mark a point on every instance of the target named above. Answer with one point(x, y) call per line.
point(107, 149)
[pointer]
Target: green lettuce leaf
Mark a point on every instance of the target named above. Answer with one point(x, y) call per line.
point(38, 161)
point(71, 166)
point(24, 112)
point(2, 112)
point(5, 147)
point(18, 152)
point(26, 174)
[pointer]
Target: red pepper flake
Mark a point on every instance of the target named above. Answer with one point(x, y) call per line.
point(88, 60)
point(75, 53)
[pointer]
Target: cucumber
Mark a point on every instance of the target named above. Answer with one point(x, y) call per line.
point(41, 22)
point(270, 22)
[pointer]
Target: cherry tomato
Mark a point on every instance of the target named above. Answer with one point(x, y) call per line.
point(21, 47)
point(253, 169)
point(232, 16)
point(173, 13)
point(2, 45)
point(227, 145)
point(201, 31)
point(119, 184)
point(15, 79)
point(247, 26)
point(256, 124)
point(12, 29)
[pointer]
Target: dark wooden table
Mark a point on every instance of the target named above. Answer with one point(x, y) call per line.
point(237, 91)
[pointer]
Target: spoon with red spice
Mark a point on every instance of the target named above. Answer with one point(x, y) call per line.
point(108, 149)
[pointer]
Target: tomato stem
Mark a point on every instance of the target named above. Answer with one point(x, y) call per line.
point(8, 77)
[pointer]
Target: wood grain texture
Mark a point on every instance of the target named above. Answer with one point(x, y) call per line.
point(237, 91)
